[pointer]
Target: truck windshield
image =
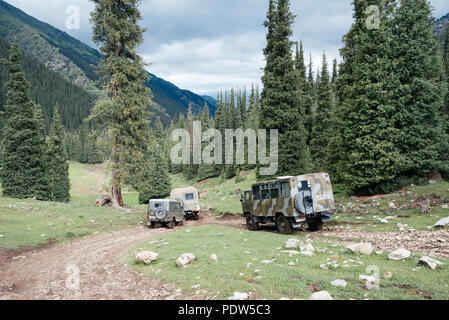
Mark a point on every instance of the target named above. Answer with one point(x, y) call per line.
point(189, 196)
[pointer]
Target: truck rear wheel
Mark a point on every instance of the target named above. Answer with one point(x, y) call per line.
point(251, 223)
point(283, 225)
point(315, 225)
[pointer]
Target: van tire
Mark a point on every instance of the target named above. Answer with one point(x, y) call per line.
point(283, 225)
point(251, 223)
point(196, 217)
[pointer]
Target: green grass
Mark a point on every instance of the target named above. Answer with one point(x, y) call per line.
point(28, 223)
point(236, 248)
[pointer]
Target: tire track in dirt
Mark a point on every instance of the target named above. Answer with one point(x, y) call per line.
point(41, 274)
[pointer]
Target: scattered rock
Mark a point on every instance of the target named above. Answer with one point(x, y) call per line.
point(321, 295)
point(307, 253)
point(324, 266)
point(214, 257)
point(239, 296)
point(104, 200)
point(424, 206)
point(361, 248)
point(339, 283)
point(307, 247)
point(379, 253)
point(292, 252)
point(442, 223)
point(146, 257)
point(291, 264)
point(429, 262)
point(185, 259)
point(164, 244)
point(388, 275)
point(2, 236)
point(384, 221)
point(402, 227)
point(196, 286)
point(292, 243)
point(400, 254)
point(266, 261)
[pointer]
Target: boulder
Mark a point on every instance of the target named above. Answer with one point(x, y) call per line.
point(239, 296)
point(292, 243)
point(400, 254)
point(442, 223)
point(185, 259)
point(429, 262)
point(361, 248)
point(146, 257)
point(339, 283)
point(307, 253)
point(321, 295)
point(307, 247)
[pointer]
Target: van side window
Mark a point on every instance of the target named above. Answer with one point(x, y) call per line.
point(274, 191)
point(189, 196)
point(285, 190)
point(247, 196)
point(256, 193)
point(265, 192)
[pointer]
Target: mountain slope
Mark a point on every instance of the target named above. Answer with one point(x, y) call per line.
point(440, 27)
point(48, 88)
point(77, 62)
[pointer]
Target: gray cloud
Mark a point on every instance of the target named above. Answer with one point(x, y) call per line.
point(210, 45)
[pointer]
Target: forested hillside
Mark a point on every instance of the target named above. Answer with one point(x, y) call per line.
point(77, 62)
point(48, 88)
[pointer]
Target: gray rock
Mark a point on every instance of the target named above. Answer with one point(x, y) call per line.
point(361, 248)
point(292, 243)
point(429, 262)
point(307, 247)
point(339, 283)
point(146, 257)
point(400, 254)
point(321, 295)
point(239, 296)
point(442, 223)
point(185, 259)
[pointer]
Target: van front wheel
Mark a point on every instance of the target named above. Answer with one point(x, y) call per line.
point(251, 223)
point(283, 225)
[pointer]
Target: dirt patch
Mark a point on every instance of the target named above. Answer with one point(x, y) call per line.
point(315, 287)
point(43, 273)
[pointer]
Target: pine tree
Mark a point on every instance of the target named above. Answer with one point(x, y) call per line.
point(369, 156)
point(156, 183)
point(206, 170)
point(116, 29)
point(42, 186)
point(334, 71)
point(420, 95)
point(309, 103)
point(22, 144)
point(322, 129)
point(58, 167)
point(281, 98)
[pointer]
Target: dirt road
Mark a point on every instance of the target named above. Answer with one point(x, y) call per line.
point(43, 273)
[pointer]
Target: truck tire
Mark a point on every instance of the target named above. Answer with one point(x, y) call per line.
point(251, 223)
point(304, 202)
point(196, 217)
point(315, 225)
point(152, 225)
point(283, 225)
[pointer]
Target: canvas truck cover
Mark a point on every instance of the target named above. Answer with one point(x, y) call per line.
point(321, 188)
point(191, 204)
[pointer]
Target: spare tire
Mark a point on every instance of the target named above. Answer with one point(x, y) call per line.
point(304, 202)
point(161, 214)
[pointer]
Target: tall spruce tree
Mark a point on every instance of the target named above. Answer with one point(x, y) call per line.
point(369, 156)
point(116, 29)
point(322, 128)
point(281, 98)
point(156, 183)
point(420, 95)
point(42, 183)
point(58, 167)
point(23, 148)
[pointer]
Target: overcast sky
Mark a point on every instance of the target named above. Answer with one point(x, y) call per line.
point(210, 45)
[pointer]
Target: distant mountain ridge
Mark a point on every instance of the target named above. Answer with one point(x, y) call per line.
point(77, 62)
point(440, 27)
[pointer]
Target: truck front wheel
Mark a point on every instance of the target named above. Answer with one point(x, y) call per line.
point(315, 225)
point(251, 223)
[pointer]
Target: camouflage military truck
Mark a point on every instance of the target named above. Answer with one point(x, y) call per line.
point(290, 203)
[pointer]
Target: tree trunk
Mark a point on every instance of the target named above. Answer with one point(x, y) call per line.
point(117, 200)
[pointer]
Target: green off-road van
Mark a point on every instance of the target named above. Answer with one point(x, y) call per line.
point(290, 203)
